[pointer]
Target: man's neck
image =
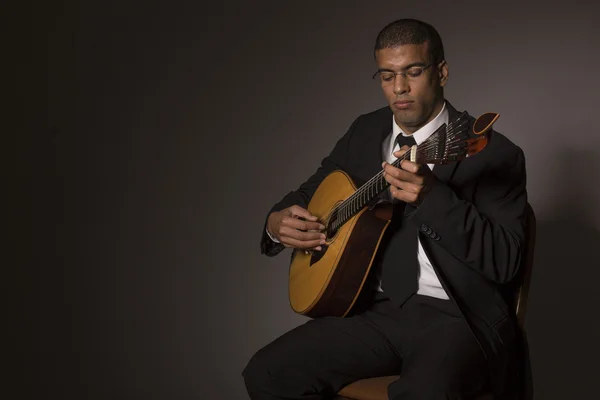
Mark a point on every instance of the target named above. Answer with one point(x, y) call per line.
point(410, 130)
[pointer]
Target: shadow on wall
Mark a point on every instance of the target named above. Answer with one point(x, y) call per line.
point(562, 323)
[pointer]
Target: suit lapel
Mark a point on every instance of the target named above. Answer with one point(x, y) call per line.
point(372, 145)
point(384, 131)
point(443, 172)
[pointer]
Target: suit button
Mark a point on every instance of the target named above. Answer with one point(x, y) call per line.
point(424, 228)
point(437, 237)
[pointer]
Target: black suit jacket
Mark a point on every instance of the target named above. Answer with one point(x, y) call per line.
point(472, 225)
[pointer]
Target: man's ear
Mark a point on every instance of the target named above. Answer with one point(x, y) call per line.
point(443, 73)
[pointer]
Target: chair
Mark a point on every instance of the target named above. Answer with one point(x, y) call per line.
point(376, 388)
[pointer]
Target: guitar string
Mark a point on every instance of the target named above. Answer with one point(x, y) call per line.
point(432, 143)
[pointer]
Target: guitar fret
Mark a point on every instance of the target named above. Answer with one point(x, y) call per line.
point(446, 144)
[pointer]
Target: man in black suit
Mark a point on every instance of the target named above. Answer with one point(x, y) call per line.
point(439, 307)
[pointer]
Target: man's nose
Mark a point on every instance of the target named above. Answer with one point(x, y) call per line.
point(400, 84)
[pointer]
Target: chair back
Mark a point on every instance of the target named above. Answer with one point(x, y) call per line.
point(376, 388)
point(522, 292)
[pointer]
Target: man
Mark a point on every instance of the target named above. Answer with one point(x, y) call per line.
point(439, 308)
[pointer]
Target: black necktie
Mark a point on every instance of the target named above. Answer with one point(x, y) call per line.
point(399, 264)
point(405, 140)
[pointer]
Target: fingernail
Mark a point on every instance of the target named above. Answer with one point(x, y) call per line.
point(321, 226)
point(318, 248)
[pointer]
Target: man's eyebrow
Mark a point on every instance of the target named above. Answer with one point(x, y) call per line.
point(409, 66)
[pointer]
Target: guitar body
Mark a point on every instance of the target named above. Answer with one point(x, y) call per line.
point(327, 283)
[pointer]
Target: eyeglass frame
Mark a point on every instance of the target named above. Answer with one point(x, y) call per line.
point(404, 73)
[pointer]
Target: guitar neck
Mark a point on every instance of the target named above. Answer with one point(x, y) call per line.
point(448, 143)
point(364, 194)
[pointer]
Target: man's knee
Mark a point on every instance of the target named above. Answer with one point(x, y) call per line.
point(256, 373)
point(267, 372)
point(268, 375)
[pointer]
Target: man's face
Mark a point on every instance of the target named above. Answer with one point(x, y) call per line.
point(415, 99)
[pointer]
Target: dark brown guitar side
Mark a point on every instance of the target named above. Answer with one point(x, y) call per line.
point(327, 283)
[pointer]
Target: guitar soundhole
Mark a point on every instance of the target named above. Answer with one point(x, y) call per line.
point(330, 232)
point(332, 226)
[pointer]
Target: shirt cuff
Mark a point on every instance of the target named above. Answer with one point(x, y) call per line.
point(271, 236)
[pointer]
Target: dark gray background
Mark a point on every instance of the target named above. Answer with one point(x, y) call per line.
point(165, 132)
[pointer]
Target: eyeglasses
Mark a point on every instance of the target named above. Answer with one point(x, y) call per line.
point(387, 76)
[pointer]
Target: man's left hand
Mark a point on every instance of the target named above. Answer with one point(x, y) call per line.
point(409, 183)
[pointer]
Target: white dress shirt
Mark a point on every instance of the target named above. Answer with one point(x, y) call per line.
point(429, 284)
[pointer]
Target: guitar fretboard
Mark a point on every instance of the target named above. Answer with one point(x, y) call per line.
point(447, 144)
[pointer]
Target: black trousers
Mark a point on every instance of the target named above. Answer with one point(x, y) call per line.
point(425, 340)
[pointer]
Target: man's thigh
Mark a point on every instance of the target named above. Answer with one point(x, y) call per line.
point(316, 359)
point(441, 357)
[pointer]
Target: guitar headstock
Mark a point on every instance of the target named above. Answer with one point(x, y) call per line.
point(450, 143)
point(481, 127)
point(484, 123)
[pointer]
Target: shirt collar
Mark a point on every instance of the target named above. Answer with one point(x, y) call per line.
point(425, 131)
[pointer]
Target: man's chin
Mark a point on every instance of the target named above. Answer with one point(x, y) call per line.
point(407, 119)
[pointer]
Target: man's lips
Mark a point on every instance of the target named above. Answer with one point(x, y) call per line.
point(402, 104)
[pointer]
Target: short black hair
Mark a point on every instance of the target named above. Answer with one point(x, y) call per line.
point(411, 31)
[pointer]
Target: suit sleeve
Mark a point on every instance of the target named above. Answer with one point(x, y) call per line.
point(301, 197)
point(487, 235)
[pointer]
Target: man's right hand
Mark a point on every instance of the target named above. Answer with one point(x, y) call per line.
point(292, 231)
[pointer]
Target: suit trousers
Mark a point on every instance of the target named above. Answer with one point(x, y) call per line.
point(425, 340)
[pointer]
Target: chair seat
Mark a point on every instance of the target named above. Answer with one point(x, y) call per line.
point(376, 389)
point(368, 389)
